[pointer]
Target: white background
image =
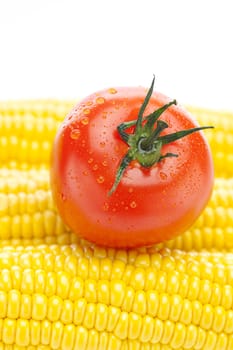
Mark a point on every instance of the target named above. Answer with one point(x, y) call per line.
point(68, 49)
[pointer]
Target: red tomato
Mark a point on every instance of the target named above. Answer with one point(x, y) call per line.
point(151, 201)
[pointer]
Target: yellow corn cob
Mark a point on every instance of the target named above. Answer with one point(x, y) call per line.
point(27, 211)
point(26, 206)
point(17, 144)
point(19, 121)
point(60, 292)
point(44, 109)
point(28, 128)
point(220, 140)
point(71, 297)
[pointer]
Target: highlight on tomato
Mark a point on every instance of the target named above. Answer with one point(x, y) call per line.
point(130, 168)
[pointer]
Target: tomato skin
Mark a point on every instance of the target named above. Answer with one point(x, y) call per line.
point(150, 205)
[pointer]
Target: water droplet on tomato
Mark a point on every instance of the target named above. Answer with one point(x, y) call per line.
point(102, 144)
point(89, 103)
point(90, 160)
point(105, 206)
point(100, 179)
point(130, 190)
point(86, 111)
point(112, 91)
point(95, 167)
point(162, 175)
point(133, 204)
point(63, 197)
point(104, 163)
point(74, 134)
point(85, 173)
point(85, 121)
point(100, 100)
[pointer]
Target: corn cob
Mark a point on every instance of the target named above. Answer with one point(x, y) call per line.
point(65, 296)
point(221, 140)
point(18, 121)
point(27, 211)
point(26, 206)
point(60, 292)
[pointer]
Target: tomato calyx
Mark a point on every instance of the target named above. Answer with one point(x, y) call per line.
point(146, 143)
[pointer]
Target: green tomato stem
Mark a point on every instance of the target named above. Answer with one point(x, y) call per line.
point(146, 143)
point(123, 165)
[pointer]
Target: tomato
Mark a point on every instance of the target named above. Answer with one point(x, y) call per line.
point(126, 170)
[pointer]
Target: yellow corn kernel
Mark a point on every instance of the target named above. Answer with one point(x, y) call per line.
point(26, 306)
point(35, 330)
point(8, 331)
point(22, 333)
point(68, 339)
point(14, 301)
point(101, 317)
point(46, 330)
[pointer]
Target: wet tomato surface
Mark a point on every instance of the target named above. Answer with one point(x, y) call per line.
point(118, 182)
